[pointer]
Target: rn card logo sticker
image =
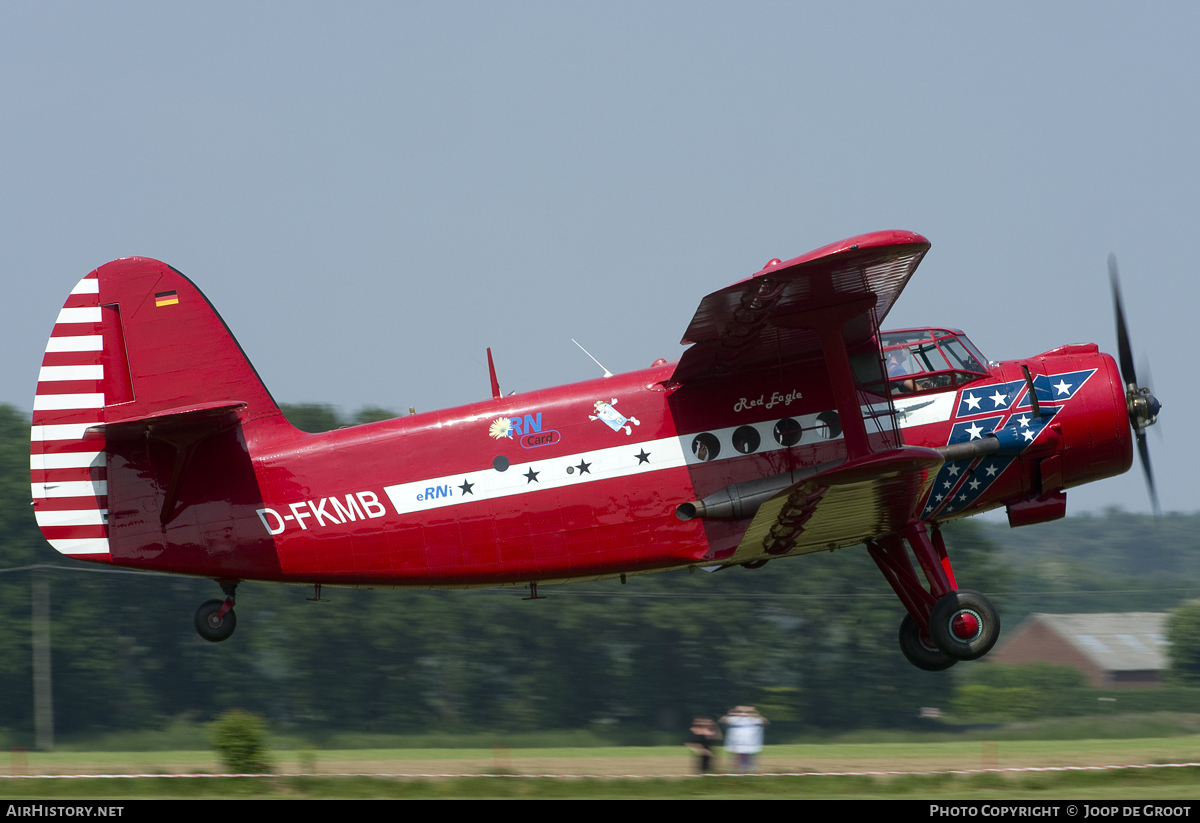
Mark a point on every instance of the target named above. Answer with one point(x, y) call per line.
point(501, 428)
point(613, 418)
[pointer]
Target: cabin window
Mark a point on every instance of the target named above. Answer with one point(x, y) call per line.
point(746, 439)
point(706, 447)
point(788, 432)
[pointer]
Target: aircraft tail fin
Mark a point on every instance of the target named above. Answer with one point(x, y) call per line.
point(135, 341)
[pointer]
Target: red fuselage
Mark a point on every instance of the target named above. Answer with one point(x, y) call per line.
point(574, 482)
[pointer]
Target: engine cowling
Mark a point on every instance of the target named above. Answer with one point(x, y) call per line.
point(1087, 437)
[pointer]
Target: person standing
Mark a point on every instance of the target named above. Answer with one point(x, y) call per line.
point(705, 736)
point(744, 738)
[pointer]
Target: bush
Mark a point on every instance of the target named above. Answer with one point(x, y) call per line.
point(1043, 677)
point(1004, 692)
point(240, 739)
point(1004, 704)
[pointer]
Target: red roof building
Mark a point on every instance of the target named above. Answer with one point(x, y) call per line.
point(1114, 650)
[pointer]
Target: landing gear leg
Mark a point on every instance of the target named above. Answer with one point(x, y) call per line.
point(215, 620)
point(944, 624)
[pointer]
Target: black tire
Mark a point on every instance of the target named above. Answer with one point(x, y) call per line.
point(964, 624)
point(218, 631)
point(919, 652)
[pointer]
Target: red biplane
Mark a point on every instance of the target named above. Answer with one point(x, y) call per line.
point(791, 425)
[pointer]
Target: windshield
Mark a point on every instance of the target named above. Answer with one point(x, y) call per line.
point(920, 360)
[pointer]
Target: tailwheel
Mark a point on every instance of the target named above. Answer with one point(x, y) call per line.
point(215, 620)
point(964, 624)
point(920, 649)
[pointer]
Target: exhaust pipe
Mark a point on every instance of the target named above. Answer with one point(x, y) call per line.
point(742, 500)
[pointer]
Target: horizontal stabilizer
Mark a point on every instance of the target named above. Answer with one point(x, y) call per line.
point(201, 417)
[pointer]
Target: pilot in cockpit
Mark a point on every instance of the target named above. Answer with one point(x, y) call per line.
point(900, 363)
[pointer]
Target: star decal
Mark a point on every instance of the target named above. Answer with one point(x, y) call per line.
point(531, 476)
point(466, 487)
point(583, 467)
point(643, 457)
point(1008, 410)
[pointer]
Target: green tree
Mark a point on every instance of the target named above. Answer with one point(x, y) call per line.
point(371, 414)
point(1183, 630)
point(311, 417)
point(21, 544)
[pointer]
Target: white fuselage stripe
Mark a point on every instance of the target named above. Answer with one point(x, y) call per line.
point(617, 461)
point(537, 475)
point(924, 409)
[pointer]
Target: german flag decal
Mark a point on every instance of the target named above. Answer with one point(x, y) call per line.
point(165, 298)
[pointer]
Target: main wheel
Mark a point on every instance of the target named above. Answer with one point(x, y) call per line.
point(964, 624)
point(212, 628)
point(921, 652)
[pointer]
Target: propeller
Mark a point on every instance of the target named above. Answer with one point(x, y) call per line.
point(1142, 405)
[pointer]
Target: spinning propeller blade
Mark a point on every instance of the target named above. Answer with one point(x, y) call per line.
point(1143, 406)
point(1124, 350)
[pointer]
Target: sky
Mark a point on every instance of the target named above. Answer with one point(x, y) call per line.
point(373, 193)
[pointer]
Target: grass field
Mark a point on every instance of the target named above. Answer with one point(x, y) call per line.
point(662, 772)
point(1159, 785)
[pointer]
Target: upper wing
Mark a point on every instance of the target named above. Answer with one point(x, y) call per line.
point(850, 504)
point(745, 325)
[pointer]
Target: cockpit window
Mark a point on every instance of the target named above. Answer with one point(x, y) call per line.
point(921, 360)
point(929, 356)
point(960, 356)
